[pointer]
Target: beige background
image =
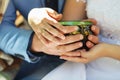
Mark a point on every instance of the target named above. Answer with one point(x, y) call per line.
point(3, 5)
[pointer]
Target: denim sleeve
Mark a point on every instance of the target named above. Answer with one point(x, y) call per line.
point(13, 40)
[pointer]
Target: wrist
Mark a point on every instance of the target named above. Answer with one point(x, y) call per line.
point(105, 52)
point(111, 51)
point(114, 51)
point(36, 45)
point(36, 49)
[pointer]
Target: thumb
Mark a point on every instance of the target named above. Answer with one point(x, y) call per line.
point(55, 15)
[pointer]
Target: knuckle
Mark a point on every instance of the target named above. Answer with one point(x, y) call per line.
point(58, 48)
point(57, 33)
point(43, 32)
point(53, 39)
point(51, 22)
point(50, 29)
point(61, 48)
point(69, 54)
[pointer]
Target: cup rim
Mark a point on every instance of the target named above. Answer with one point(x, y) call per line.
point(74, 23)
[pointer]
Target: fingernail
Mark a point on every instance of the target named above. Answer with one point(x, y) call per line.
point(76, 28)
point(90, 37)
point(93, 27)
point(81, 36)
point(80, 44)
point(89, 44)
point(61, 57)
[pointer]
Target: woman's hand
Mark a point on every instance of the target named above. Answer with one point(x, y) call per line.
point(93, 39)
point(99, 50)
point(44, 22)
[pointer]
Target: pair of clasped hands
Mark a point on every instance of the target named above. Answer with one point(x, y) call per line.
point(52, 40)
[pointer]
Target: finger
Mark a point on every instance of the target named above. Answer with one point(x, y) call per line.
point(86, 54)
point(63, 29)
point(93, 39)
point(73, 53)
point(74, 59)
point(95, 29)
point(34, 27)
point(71, 39)
point(59, 17)
point(42, 39)
point(90, 56)
point(91, 20)
point(69, 47)
point(40, 31)
point(49, 37)
point(52, 30)
point(89, 44)
point(69, 29)
point(56, 16)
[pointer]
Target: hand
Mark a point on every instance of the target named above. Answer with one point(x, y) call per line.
point(83, 56)
point(69, 44)
point(42, 21)
point(93, 39)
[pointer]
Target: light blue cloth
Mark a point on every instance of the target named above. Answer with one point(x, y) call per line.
point(13, 40)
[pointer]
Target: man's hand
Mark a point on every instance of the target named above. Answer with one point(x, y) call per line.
point(44, 22)
point(69, 44)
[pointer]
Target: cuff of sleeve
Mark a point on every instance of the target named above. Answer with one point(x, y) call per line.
point(32, 57)
point(14, 41)
point(32, 53)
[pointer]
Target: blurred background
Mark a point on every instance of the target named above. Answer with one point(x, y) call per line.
point(3, 6)
point(9, 70)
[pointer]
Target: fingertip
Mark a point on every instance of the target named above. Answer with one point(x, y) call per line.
point(58, 17)
point(93, 27)
point(89, 44)
point(93, 21)
point(80, 44)
point(81, 37)
point(61, 57)
point(90, 37)
point(76, 28)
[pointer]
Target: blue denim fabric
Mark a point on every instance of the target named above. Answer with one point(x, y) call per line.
point(38, 70)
